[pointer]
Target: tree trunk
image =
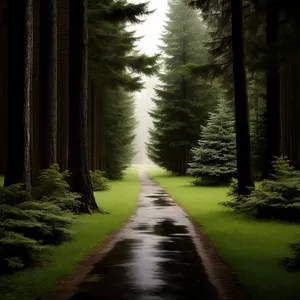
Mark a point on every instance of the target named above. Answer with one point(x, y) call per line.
point(80, 178)
point(20, 49)
point(3, 85)
point(35, 99)
point(100, 126)
point(48, 84)
point(62, 83)
point(89, 125)
point(290, 110)
point(272, 88)
point(94, 128)
point(244, 167)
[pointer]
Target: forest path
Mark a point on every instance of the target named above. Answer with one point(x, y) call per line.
point(154, 257)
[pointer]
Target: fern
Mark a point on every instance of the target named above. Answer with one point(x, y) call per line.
point(28, 226)
point(56, 222)
point(17, 251)
point(293, 263)
point(99, 181)
point(52, 186)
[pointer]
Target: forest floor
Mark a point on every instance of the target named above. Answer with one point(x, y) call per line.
point(253, 249)
point(159, 254)
point(90, 231)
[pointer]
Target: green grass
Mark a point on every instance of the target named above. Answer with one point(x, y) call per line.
point(252, 248)
point(1, 180)
point(90, 231)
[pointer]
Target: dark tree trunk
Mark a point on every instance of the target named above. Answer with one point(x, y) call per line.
point(3, 85)
point(35, 103)
point(89, 125)
point(245, 174)
point(62, 83)
point(48, 84)
point(94, 128)
point(80, 179)
point(20, 55)
point(290, 110)
point(272, 88)
point(100, 96)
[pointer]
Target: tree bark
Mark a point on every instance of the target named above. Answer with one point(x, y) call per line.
point(244, 167)
point(20, 56)
point(102, 136)
point(35, 103)
point(100, 97)
point(89, 125)
point(3, 85)
point(290, 110)
point(94, 128)
point(62, 83)
point(272, 88)
point(80, 178)
point(48, 84)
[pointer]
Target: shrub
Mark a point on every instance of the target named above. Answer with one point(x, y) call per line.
point(12, 194)
point(52, 186)
point(53, 222)
point(293, 263)
point(28, 226)
point(275, 199)
point(17, 251)
point(99, 181)
point(233, 188)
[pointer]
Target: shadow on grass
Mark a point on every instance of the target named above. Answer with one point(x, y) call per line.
point(191, 185)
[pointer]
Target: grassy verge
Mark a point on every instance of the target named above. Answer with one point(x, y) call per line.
point(120, 201)
point(252, 248)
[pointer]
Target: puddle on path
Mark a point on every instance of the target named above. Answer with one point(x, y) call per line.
point(154, 259)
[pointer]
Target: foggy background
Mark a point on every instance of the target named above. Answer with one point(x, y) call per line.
point(151, 29)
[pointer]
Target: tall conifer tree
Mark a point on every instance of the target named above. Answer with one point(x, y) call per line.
point(182, 101)
point(115, 69)
point(214, 160)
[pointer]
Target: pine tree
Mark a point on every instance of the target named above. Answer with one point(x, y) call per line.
point(120, 124)
point(115, 69)
point(214, 160)
point(182, 101)
point(113, 59)
point(233, 47)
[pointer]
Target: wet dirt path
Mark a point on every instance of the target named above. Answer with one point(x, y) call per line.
point(154, 258)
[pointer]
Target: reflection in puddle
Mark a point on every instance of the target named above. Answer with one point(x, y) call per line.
point(162, 202)
point(155, 195)
point(167, 227)
point(142, 227)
